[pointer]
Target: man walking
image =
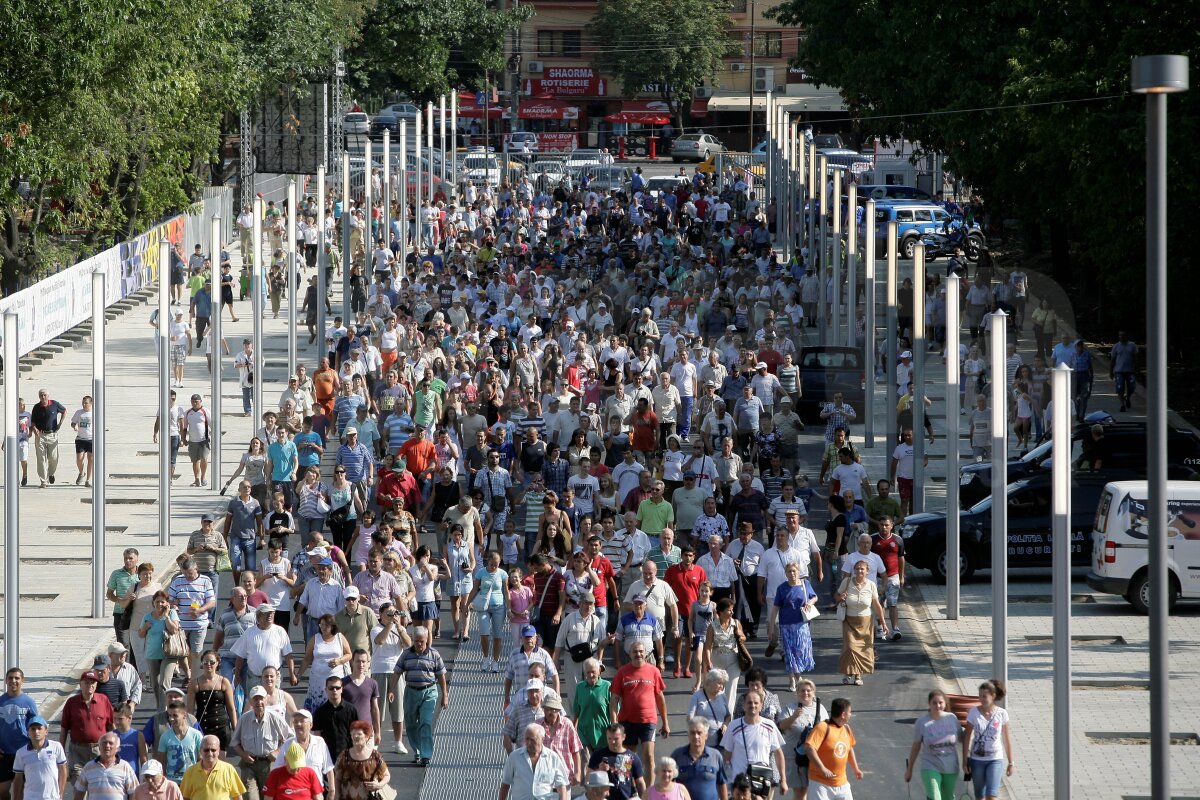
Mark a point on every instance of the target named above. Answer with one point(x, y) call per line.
point(194, 430)
point(17, 712)
point(1122, 368)
point(85, 719)
point(424, 674)
point(256, 740)
point(47, 417)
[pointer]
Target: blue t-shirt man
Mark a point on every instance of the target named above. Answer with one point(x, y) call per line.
point(284, 460)
point(307, 456)
point(15, 713)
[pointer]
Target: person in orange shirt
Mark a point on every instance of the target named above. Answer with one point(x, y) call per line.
point(325, 386)
point(830, 747)
point(645, 428)
point(420, 454)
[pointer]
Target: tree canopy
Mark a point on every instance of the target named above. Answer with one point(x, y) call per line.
point(674, 45)
point(1031, 103)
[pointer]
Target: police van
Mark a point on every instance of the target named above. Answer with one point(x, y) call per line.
point(1121, 539)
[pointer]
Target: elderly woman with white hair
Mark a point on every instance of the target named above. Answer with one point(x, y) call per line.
point(664, 786)
point(534, 772)
point(701, 766)
point(712, 704)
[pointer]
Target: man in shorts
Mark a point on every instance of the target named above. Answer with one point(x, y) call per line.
point(890, 548)
point(194, 430)
point(638, 697)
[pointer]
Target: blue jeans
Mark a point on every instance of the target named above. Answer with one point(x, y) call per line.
point(420, 705)
point(246, 395)
point(243, 552)
point(228, 671)
point(685, 416)
point(985, 776)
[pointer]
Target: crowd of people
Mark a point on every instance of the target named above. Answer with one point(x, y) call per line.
point(565, 424)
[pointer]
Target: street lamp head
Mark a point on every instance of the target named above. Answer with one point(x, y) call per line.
point(1159, 74)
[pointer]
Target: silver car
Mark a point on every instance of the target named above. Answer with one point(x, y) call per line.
point(357, 122)
point(695, 147)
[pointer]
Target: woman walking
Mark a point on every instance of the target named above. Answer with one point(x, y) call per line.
point(721, 647)
point(988, 742)
point(861, 597)
point(489, 598)
point(795, 602)
point(936, 737)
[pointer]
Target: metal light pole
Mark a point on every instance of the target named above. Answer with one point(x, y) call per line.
point(403, 195)
point(12, 491)
point(256, 287)
point(322, 259)
point(835, 209)
point(429, 148)
point(164, 382)
point(1060, 554)
point(918, 379)
point(953, 431)
point(999, 496)
point(889, 395)
point(811, 216)
point(823, 310)
point(1157, 76)
point(852, 266)
point(385, 202)
point(215, 423)
point(368, 212)
point(347, 256)
point(417, 195)
point(870, 343)
point(442, 136)
point(293, 273)
point(453, 141)
point(99, 412)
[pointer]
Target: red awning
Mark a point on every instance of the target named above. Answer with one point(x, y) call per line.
point(700, 107)
point(469, 109)
point(548, 108)
point(642, 112)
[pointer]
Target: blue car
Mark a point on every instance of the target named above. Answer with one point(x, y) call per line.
point(915, 219)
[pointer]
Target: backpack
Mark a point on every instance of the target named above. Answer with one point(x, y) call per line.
point(800, 754)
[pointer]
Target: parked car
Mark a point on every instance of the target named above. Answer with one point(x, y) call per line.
point(1126, 444)
point(405, 111)
point(827, 370)
point(610, 179)
point(1120, 556)
point(520, 141)
point(480, 168)
point(1029, 528)
point(665, 183)
point(385, 121)
point(356, 122)
point(914, 219)
point(844, 158)
point(695, 147)
point(547, 174)
point(584, 157)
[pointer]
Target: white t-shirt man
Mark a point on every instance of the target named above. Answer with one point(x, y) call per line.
point(903, 454)
point(850, 476)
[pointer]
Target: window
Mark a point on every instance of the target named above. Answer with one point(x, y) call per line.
point(768, 44)
point(739, 44)
point(564, 44)
point(737, 6)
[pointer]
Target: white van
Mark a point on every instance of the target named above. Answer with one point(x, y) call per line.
point(1120, 542)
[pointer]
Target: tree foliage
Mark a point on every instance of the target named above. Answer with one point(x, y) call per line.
point(675, 45)
point(425, 50)
point(1030, 101)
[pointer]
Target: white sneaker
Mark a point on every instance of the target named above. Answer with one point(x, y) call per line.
point(879, 632)
point(895, 634)
point(400, 748)
point(486, 666)
point(495, 666)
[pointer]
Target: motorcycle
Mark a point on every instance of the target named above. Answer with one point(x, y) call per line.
point(943, 243)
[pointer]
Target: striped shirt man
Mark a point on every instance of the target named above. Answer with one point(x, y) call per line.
point(420, 670)
point(191, 593)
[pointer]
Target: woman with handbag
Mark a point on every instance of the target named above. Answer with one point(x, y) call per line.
point(795, 604)
point(328, 655)
point(858, 597)
point(210, 698)
point(360, 772)
point(140, 600)
point(724, 644)
point(459, 564)
point(710, 704)
point(489, 598)
point(156, 627)
point(580, 635)
point(344, 507)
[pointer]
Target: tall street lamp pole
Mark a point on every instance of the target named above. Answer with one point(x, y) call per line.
point(1155, 77)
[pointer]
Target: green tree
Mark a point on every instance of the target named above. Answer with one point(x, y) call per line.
point(425, 50)
point(673, 45)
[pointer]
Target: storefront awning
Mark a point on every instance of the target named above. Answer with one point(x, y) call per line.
point(642, 112)
point(700, 107)
point(798, 98)
point(547, 109)
point(469, 107)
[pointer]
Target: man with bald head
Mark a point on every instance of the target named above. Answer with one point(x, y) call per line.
point(534, 771)
point(210, 778)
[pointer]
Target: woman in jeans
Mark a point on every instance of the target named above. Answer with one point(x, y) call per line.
point(342, 495)
point(490, 599)
point(987, 743)
point(311, 494)
point(459, 564)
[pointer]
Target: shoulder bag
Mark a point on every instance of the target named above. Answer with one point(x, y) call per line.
point(175, 645)
point(583, 651)
point(535, 611)
point(800, 753)
point(745, 660)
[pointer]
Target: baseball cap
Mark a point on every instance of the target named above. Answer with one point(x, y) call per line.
point(906, 354)
point(689, 476)
point(317, 551)
point(552, 702)
point(351, 591)
point(258, 691)
point(208, 518)
point(117, 647)
point(785, 401)
point(90, 675)
point(639, 598)
point(151, 767)
point(325, 562)
point(761, 365)
point(265, 608)
point(197, 397)
point(302, 712)
point(587, 597)
point(591, 407)
point(39, 720)
point(710, 383)
point(731, 328)
point(534, 685)
point(295, 756)
point(528, 630)
point(178, 691)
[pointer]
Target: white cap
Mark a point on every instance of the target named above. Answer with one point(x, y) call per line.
point(258, 691)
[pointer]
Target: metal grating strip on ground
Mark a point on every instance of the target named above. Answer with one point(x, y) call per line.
point(467, 751)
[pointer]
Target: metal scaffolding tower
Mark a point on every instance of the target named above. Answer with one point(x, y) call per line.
point(337, 131)
point(247, 159)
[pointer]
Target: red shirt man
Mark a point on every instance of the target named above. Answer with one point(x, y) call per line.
point(86, 716)
point(889, 547)
point(604, 568)
point(420, 455)
point(637, 690)
point(684, 579)
point(645, 428)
